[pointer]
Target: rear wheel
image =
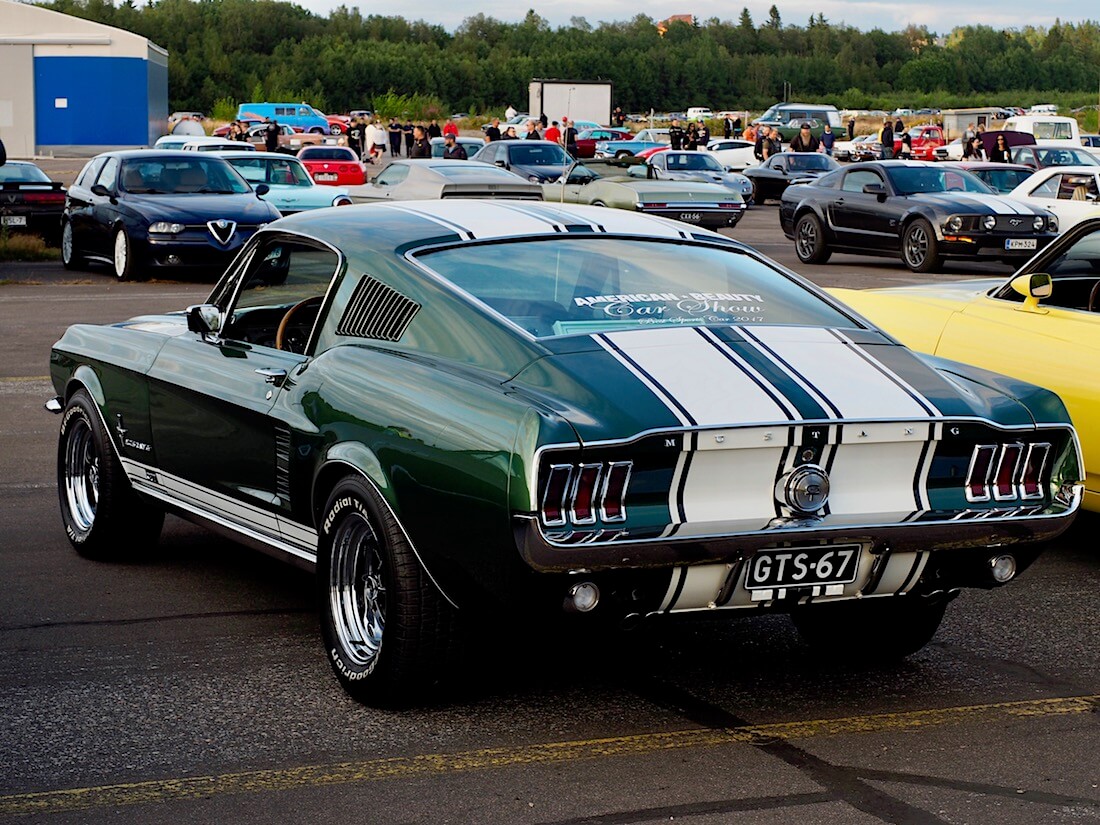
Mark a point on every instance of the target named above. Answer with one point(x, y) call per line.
point(870, 631)
point(809, 240)
point(919, 247)
point(70, 255)
point(103, 517)
point(621, 154)
point(388, 631)
point(336, 129)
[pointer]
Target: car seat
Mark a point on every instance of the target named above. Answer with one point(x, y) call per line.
point(192, 178)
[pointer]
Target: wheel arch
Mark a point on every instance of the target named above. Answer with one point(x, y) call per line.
point(915, 214)
point(807, 208)
point(356, 460)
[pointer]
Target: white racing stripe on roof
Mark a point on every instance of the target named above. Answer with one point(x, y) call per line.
point(461, 231)
point(701, 381)
point(856, 383)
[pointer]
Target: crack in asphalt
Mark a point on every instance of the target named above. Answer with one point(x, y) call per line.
point(841, 784)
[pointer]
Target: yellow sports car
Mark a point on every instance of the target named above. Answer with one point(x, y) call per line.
point(1042, 326)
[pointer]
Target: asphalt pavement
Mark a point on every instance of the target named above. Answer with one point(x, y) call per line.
point(190, 686)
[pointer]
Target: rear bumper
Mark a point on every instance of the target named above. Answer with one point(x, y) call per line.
point(982, 529)
point(708, 218)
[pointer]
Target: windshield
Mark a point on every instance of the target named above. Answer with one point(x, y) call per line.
point(913, 180)
point(1066, 157)
point(692, 162)
point(1003, 180)
point(277, 171)
point(176, 176)
point(571, 285)
point(478, 171)
point(802, 161)
point(541, 155)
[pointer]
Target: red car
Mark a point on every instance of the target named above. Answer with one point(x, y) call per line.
point(586, 140)
point(648, 153)
point(337, 124)
point(925, 140)
point(332, 165)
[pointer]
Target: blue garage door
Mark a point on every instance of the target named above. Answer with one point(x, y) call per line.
point(106, 101)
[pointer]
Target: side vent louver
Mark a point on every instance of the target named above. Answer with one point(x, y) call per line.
point(377, 311)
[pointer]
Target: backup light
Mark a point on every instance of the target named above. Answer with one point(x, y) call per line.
point(1003, 568)
point(584, 597)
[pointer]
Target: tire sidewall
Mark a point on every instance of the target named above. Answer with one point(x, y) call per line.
point(930, 256)
point(815, 254)
point(125, 275)
point(70, 261)
point(78, 409)
point(351, 496)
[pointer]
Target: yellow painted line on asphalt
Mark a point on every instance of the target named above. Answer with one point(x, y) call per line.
point(434, 764)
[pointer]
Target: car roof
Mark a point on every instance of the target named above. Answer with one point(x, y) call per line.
point(416, 224)
point(982, 165)
point(245, 155)
point(146, 154)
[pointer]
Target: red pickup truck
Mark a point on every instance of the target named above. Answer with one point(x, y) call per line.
point(925, 140)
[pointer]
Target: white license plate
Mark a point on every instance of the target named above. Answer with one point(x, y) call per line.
point(325, 176)
point(803, 567)
point(690, 217)
point(1021, 243)
point(15, 220)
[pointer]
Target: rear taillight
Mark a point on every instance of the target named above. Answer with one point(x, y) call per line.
point(1035, 464)
point(981, 467)
point(44, 197)
point(1007, 472)
point(583, 494)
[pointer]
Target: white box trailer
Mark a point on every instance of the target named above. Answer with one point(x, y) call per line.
point(574, 99)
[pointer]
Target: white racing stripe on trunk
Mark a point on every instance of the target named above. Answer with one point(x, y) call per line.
point(855, 383)
point(701, 381)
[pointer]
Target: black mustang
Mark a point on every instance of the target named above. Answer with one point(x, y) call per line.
point(140, 209)
point(922, 211)
point(771, 178)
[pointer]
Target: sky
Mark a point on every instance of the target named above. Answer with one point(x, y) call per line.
point(940, 16)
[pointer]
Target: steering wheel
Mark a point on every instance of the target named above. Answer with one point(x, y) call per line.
point(280, 334)
point(1092, 296)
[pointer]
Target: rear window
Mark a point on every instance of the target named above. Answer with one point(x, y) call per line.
point(571, 285)
point(22, 172)
point(334, 153)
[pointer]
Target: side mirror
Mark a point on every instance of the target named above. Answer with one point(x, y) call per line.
point(878, 189)
point(205, 319)
point(1034, 288)
point(262, 190)
point(101, 190)
point(502, 164)
point(636, 171)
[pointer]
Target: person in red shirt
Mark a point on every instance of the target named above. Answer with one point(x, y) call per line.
point(553, 133)
point(449, 128)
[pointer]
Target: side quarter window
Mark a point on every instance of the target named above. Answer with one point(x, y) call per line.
point(108, 174)
point(91, 172)
point(855, 181)
point(279, 294)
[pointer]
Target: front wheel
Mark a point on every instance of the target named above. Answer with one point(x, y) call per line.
point(870, 631)
point(123, 257)
point(919, 247)
point(757, 197)
point(809, 240)
point(388, 631)
point(103, 517)
point(336, 129)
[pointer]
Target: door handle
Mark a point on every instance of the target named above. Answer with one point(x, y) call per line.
point(272, 375)
point(839, 201)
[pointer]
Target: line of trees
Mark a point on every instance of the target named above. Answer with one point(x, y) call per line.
point(263, 49)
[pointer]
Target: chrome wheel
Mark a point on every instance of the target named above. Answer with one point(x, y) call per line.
point(81, 475)
point(357, 590)
point(807, 239)
point(67, 244)
point(122, 254)
point(916, 246)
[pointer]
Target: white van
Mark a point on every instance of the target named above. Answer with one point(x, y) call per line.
point(699, 113)
point(1045, 127)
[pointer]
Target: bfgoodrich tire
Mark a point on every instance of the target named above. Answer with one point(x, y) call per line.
point(870, 631)
point(388, 631)
point(809, 240)
point(103, 516)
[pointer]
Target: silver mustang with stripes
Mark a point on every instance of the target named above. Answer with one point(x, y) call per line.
point(453, 406)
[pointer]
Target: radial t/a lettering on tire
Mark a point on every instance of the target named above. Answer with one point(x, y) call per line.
point(103, 516)
point(388, 631)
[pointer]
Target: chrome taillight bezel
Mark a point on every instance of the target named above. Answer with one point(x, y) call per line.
point(1032, 450)
point(1013, 482)
point(983, 483)
point(593, 502)
point(611, 469)
point(566, 491)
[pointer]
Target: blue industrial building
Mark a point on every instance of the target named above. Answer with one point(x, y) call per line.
point(71, 86)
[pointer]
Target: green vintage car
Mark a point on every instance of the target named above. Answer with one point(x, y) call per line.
point(450, 407)
point(622, 185)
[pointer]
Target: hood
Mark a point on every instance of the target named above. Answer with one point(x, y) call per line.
point(545, 174)
point(615, 385)
point(244, 208)
point(674, 190)
point(976, 204)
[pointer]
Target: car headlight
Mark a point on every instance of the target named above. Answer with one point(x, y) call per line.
point(165, 228)
point(534, 179)
point(988, 222)
point(1052, 223)
point(1038, 223)
point(953, 224)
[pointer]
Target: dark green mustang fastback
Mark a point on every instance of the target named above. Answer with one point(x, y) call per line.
point(447, 405)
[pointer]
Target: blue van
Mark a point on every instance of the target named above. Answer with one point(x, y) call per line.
point(301, 115)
